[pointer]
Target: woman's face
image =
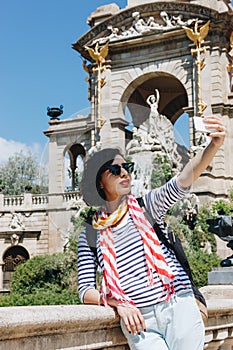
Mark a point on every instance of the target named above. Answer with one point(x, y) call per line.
point(116, 186)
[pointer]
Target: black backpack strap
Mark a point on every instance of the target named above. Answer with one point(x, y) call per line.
point(91, 235)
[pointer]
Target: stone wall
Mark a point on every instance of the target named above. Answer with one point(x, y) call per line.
point(79, 327)
point(43, 228)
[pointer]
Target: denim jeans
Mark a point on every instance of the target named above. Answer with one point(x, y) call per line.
point(173, 325)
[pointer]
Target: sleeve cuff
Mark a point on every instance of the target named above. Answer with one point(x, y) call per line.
point(181, 190)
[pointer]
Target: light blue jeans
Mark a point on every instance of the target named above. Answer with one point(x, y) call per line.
point(173, 325)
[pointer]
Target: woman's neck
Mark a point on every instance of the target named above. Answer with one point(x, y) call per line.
point(113, 204)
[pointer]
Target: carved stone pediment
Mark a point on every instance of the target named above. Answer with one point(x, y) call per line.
point(121, 27)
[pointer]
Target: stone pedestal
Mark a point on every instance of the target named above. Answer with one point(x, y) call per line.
point(221, 276)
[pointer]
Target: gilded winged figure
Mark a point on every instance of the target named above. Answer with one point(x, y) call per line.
point(197, 36)
point(98, 53)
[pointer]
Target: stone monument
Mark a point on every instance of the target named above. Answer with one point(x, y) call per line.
point(149, 49)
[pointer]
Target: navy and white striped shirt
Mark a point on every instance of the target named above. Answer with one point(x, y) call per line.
point(131, 263)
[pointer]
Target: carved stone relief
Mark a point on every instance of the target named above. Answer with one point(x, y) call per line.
point(141, 26)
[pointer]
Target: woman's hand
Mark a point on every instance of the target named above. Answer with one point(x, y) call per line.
point(217, 129)
point(194, 168)
point(132, 317)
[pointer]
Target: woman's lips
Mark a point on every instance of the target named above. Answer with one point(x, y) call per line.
point(124, 182)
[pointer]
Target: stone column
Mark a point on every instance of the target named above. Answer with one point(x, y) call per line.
point(1, 200)
point(1, 277)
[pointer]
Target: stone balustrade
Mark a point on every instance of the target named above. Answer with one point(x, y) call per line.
point(22, 201)
point(33, 200)
point(12, 201)
point(219, 330)
point(79, 327)
point(39, 199)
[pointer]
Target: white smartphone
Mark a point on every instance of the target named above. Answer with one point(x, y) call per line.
point(200, 126)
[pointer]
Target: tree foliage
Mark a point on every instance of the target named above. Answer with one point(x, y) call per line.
point(86, 215)
point(43, 271)
point(162, 171)
point(20, 174)
point(44, 280)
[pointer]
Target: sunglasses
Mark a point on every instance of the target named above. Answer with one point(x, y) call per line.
point(115, 169)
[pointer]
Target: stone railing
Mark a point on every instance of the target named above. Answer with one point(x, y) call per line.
point(38, 199)
point(69, 196)
point(23, 201)
point(32, 201)
point(66, 327)
point(219, 330)
point(79, 327)
point(12, 201)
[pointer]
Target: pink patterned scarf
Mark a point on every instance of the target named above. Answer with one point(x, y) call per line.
point(155, 260)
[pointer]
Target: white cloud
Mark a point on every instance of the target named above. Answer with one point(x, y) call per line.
point(10, 147)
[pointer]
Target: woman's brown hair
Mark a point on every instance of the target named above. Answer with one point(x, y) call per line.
point(94, 167)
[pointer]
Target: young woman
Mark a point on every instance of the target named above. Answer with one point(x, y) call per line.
point(142, 278)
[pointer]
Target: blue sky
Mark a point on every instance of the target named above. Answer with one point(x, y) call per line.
point(39, 68)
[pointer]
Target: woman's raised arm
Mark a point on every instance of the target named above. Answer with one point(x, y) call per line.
point(200, 162)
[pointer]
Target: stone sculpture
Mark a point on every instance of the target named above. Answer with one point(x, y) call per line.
point(16, 222)
point(143, 26)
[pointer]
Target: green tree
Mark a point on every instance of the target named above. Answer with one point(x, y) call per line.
point(44, 280)
point(162, 171)
point(85, 215)
point(21, 173)
point(76, 180)
point(201, 263)
point(43, 271)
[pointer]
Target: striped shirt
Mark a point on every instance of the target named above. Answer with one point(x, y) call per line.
point(131, 263)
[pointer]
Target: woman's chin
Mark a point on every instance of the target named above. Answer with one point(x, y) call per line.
point(124, 191)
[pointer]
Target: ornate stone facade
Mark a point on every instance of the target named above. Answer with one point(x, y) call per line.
point(148, 50)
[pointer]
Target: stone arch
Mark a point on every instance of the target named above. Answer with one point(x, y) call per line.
point(12, 257)
point(173, 96)
point(74, 151)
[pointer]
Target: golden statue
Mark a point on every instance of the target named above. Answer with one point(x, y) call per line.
point(230, 66)
point(99, 54)
point(197, 35)
point(87, 79)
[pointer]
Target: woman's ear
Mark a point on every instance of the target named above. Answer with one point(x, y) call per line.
point(101, 186)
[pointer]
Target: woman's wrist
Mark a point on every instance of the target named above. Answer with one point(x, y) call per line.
point(125, 304)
